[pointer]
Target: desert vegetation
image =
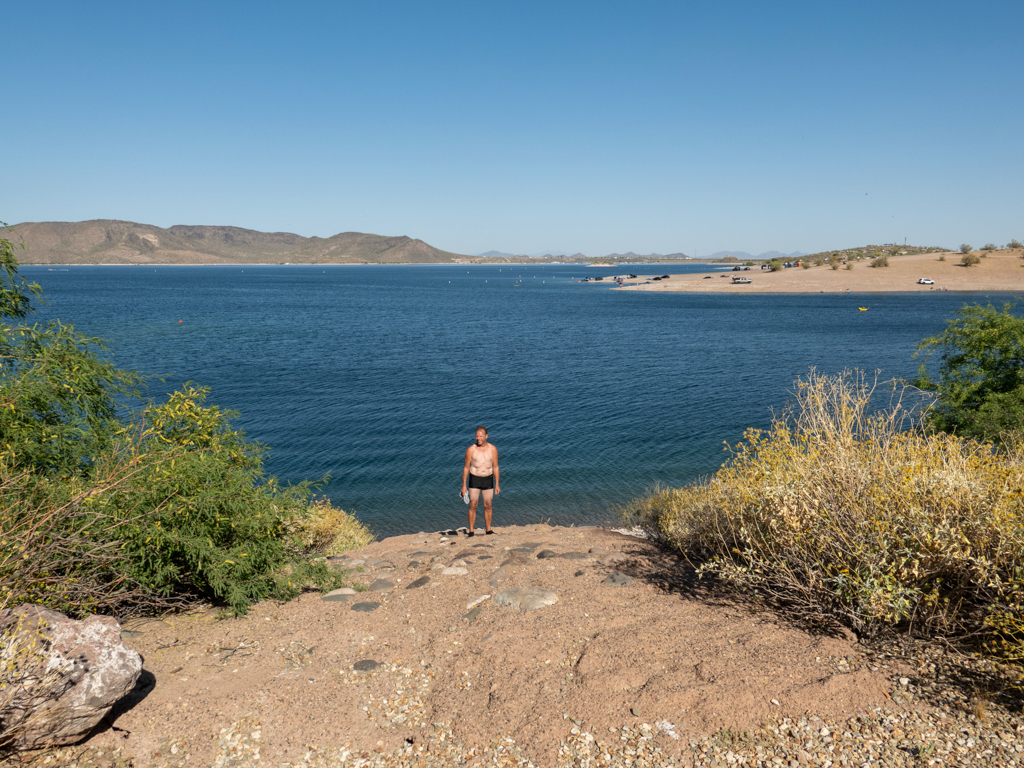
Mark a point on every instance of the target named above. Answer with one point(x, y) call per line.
point(902, 515)
point(110, 503)
point(844, 512)
point(980, 380)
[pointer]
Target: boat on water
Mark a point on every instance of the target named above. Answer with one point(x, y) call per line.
point(863, 309)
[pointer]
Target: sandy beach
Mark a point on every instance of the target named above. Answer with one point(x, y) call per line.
point(623, 658)
point(1001, 270)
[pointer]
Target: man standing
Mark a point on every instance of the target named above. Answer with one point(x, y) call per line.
point(480, 475)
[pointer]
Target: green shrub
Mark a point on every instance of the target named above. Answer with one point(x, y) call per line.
point(775, 265)
point(988, 247)
point(942, 257)
point(147, 508)
point(1014, 244)
point(849, 265)
point(965, 248)
point(969, 259)
point(841, 513)
point(879, 261)
point(980, 384)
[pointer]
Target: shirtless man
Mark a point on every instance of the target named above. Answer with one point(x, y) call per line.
point(481, 473)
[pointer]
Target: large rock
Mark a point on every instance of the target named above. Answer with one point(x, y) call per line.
point(64, 675)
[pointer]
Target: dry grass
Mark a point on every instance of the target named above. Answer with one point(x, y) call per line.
point(327, 530)
point(841, 513)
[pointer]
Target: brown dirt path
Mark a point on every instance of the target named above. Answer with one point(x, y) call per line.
point(601, 657)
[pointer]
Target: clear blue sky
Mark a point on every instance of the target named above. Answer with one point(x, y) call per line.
point(524, 126)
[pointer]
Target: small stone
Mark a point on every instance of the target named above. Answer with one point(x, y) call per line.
point(128, 634)
point(776, 702)
point(612, 558)
point(413, 565)
point(579, 573)
point(904, 681)
point(476, 601)
point(618, 580)
point(545, 554)
point(355, 563)
point(365, 607)
point(499, 575)
point(526, 598)
point(597, 551)
point(380, 585)
point(515, 558)
point(455, 571)
point(420, 582)
point(471, 616)
point(365, 665)
point(575, 556)
point(334, 597)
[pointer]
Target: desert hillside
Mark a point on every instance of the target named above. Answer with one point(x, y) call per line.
point(108, 241)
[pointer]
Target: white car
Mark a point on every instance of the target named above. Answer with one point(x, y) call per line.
point(926, 281)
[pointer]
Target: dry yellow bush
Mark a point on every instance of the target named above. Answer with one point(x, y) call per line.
point(845, 513)
point(327, 530)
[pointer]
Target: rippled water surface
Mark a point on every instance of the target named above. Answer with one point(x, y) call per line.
point(378, 376)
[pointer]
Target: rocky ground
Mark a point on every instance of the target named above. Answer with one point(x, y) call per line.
point(537, 646)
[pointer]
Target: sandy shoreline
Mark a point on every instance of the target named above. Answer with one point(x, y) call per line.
point(1001, 270)
point(627, 661)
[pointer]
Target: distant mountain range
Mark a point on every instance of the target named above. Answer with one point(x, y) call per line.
point(744, 256)
point(562, 255)
point(108, 241)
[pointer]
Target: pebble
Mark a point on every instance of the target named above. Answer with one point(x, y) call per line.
point(618, 579)
point(365, 665)
point(380, 585)
point(575, 556)
point(365, 607)
point(499, 575)
point(476, 601)
point(334, 597)
point(612, 558)
point(421, 581)
point(526, 598)
point(545, 554)
point(455, 570)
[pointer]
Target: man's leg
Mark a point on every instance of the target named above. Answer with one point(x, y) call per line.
point(474, 497)
point(488, 496)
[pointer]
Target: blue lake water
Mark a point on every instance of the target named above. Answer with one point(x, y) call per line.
point(379, 375)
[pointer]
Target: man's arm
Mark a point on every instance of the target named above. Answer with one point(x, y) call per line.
point(465, 468)
point(494, 461)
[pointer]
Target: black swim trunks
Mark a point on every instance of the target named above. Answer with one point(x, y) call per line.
point(483, 483)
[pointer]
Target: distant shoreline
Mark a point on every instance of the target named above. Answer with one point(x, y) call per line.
point(53, 265)
point(997, 271)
